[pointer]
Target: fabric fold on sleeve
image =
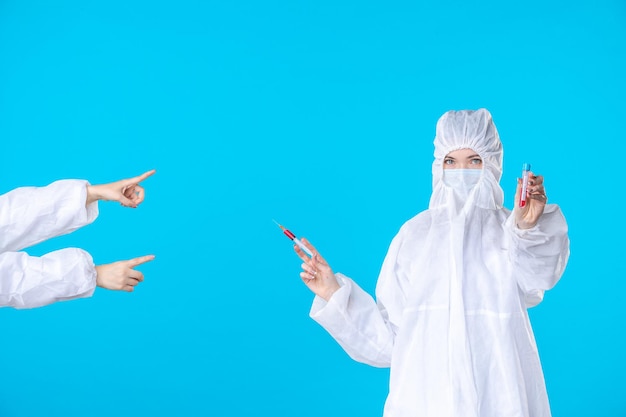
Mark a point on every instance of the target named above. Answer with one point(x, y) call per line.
point(29, 281)
point(30, 215)
point(353, 319)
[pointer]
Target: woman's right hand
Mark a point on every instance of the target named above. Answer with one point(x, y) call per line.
point(316, 273)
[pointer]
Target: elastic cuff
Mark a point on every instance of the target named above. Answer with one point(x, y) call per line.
point(319, 304)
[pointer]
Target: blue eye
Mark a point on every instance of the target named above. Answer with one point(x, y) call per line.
point(448, 161)
point(477, 161)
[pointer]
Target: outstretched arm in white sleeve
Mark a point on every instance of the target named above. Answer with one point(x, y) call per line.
point(30, 215)
point(348, 313)
point(29, 281)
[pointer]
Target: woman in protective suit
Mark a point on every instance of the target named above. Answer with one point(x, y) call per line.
point(450, 316)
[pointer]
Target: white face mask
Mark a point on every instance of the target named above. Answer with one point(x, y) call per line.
point(462, 180)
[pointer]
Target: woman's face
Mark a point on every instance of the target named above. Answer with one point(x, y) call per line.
point(462, 159)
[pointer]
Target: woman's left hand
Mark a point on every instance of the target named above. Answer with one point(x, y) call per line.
point(528, 216)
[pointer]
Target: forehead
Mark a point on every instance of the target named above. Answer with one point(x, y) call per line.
point(462, 153)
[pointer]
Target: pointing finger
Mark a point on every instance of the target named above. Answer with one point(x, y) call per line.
point(139, 178)
point(140, 260)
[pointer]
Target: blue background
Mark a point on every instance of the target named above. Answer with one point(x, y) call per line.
point(320, 115)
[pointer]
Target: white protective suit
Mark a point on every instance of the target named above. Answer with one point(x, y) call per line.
point(30, 215)
point(451, 314)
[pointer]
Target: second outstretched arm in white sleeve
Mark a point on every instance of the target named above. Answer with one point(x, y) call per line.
point(30, 281)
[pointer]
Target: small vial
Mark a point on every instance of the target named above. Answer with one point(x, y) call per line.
point(525, 174)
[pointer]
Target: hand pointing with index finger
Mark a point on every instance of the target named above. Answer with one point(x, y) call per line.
point(127, 192)
point(121, 275)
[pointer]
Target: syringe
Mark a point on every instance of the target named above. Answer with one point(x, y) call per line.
point(525, 173)
point(294, 238)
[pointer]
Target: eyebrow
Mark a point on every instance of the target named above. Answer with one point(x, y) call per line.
point(469, 157)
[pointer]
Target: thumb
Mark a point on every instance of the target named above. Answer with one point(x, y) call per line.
point(132, 263)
